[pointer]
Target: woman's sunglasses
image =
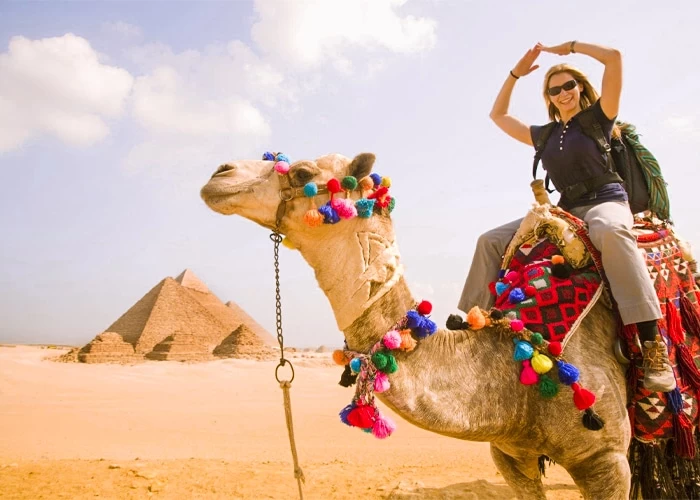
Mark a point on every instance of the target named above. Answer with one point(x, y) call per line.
point(557, 90)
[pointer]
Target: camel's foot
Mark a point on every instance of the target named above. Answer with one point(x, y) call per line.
point(521, 475)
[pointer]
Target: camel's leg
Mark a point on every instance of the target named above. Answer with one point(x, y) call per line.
point(606, 475)
point(514, 472)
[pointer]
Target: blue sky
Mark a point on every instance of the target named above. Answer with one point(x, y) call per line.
point(114, 114)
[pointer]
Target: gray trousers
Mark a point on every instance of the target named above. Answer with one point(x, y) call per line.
point(609, 227)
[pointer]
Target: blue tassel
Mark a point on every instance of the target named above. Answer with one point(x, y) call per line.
point(364, 208)
point(356, 364)
point(429, 325)
point(676, 400)
point(268, 156)
point(376, 178)
point(330, 216)
point(568, 374)
point(345, 412)
point(516, 295)
point(523, 351)
point(413, 319)
point(501, 287)
point(283, 157)
point(310, 189)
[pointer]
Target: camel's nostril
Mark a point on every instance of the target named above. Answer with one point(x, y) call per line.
point(224, 168)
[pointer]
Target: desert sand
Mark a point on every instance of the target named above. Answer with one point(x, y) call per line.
point(166, 429)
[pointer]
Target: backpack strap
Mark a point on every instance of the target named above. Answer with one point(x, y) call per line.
point(592, 128)
point(542, 139)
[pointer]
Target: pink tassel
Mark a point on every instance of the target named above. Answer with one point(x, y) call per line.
point(345, 208)
point(528, 376)
point(383, 427)
point(392, 340)
point(381, 382)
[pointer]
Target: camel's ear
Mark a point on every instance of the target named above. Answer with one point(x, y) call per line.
point(302, 172)
point(361, 165)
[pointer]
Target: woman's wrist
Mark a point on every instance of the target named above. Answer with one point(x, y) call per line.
point(513, 74)
point(571, 46)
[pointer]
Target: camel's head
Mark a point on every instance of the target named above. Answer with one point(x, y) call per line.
point(255, 190)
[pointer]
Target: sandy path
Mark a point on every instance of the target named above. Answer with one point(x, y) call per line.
point(214, 430)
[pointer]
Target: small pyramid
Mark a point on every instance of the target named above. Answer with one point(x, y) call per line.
point(188, 279)
point(244, 343)
point(244, 318)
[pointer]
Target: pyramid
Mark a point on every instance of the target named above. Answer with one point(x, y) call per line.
point(244, 318)
point(178, 319)
point(243, 342)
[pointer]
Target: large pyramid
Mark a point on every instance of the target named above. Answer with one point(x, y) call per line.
point(178, 319)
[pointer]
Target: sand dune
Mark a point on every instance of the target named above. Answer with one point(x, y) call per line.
point(215, 430)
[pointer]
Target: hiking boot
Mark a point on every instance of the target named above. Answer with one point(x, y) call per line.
point(658, 373)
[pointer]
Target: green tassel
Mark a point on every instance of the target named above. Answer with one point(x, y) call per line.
point(548, 388)
point(536, 338)
point(380, 360)
point(391, 365)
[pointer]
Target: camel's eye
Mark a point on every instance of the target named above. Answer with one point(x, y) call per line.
point(302, 172)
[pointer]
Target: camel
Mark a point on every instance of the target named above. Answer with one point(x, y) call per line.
point(457, 383)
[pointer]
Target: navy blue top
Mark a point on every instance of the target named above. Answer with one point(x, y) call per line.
point(570, 157)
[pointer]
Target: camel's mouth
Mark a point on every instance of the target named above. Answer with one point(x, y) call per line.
point(223, 191)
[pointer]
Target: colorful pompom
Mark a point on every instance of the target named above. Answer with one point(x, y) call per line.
point(501, 274)
point(267, 156)
point(380, 360)
point(362, 416)
point(383, 427)
point(523, 351)
point(496, 314)
point(424, 308)
point(333, 186)
point(528, 375)
point(413, 319)
point(408, 343)
point(541, 362)
point(386, 182)
point(516, 295)
point(392, 340)
point(282, 157)
point(530, 291)
point(391, 365)
point(554, 348)
point(548, 387)
point(330, 216)
point(558, 259)
point(345, 412)
point(381, 382)
point(310, 189)
point(313, 218)
point(376, 179)
point(287, 243)
point(366, 183)
point(364, 207)
point(517, 325)
point(344, 207)
point(583, 398)
point(349, 183)
point(282, 167)
point(356, 365)
point(476, 318)
point(392, 204)
point(501, 287)
point(339, 357)
point(561, 271)
point(568, 374)
point(536, 338)
point(492, 288)
point(512, 277)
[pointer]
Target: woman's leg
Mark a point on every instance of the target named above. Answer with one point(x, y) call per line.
point(485, 265)
point(610, 230)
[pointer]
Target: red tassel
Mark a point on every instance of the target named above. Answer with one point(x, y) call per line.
point(583, 398)
point(684, 445)
point(554, 348)
point(673, 321)
point(629, 332)
point(362, 417)
point(630, 414)
point(689, 372)
point(690, 316)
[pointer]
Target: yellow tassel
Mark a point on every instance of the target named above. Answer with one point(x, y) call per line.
point(339, 357)
point(476, 318)
point(386, 181)
point(541, 363)
point(408, 343)
point(288, 244)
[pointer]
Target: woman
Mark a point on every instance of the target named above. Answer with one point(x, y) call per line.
point(571, 160)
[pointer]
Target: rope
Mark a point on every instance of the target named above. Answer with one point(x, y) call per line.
point(285, 385)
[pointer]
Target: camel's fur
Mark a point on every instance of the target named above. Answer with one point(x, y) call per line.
point(462, 384)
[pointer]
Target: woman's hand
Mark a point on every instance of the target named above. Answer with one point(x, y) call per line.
point(563, 49)
point(526, 65)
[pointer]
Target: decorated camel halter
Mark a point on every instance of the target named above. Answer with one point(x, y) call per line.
point(374, 185)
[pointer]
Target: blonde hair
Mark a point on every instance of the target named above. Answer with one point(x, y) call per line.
point(589, 95)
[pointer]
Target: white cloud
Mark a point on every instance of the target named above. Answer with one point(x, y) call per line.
point(307, 33)
point(683, 124)
point(58, 86)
